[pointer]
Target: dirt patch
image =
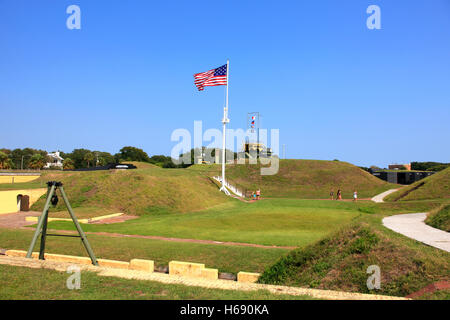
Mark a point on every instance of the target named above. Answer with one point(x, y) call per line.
point(432, 288)
point(17, 219)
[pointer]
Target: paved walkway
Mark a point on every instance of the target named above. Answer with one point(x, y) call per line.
point(413, 226)
point(381, 196)
point(196, 282)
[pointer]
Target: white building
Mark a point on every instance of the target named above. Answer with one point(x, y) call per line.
point(57, 160)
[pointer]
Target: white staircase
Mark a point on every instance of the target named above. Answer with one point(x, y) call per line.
point(230, 187)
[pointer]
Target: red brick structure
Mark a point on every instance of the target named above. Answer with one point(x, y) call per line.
point(400, 166)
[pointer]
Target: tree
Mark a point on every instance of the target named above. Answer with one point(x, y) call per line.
point(22, 157)
point(68, 164)
point(5, 161)
point(162, 161)
point(104, 158)
point(77, 156)
point(37, 161)
point(133, 154)
point(429, 166)
point(88, 157)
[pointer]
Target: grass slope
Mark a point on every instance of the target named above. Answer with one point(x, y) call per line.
point(139, 191)
point(305, 179)
point(440, 218)
point(340, 262)
point(436, 186)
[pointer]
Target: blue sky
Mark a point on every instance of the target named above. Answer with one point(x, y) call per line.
point(334, 88)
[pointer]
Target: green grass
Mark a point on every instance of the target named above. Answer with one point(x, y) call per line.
point(304, 179)
point(440, 218)
point(19, 283)
point(338, 241)
point(225, 258)
point(280, 222)
point(340, 261)
point(436, 186)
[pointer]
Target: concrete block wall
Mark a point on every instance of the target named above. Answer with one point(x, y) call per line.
point(248, 277)
point(177, 268)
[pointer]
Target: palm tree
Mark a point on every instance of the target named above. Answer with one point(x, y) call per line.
point(88, 157)
point(37, 161)
point(68, 164)
point(5, 161)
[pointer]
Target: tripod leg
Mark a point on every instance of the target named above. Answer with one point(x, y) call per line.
point(41, 220)
point(43, 237)
point(80, 231)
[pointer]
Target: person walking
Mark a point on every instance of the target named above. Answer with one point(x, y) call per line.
point(331, 194)
point(258, 194)
point(355, 196)
point(339, 195)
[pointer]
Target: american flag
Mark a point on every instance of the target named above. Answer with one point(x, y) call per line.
point(214, 77)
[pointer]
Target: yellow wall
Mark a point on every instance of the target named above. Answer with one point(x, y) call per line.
point(9, 179)
point(8, 199)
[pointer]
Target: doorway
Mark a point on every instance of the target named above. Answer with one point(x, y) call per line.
point(23, 202)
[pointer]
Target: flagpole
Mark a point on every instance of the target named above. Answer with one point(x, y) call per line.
point(225, 120)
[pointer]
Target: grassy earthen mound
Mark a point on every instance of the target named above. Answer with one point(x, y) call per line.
point(340, 262)
point(307, 179)
point(436, 186)
point(151, 190)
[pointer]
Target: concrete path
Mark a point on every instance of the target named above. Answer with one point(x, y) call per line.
point(413, 226)
point(381, 196)
point(196, 282)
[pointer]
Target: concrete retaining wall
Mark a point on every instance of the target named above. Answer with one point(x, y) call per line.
point(190, 269)
point(8, 199)
point(177, 268)
point(248, 277)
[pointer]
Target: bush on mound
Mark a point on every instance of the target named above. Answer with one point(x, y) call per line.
point(440, 218)
point(340, 262)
